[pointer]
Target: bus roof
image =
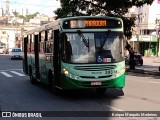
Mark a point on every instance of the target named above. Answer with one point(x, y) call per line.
point(81, 17)
point(56, 23)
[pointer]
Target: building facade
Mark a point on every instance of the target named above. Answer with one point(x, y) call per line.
point(146, 38)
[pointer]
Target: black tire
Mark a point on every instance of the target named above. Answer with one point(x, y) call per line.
point(141, 63)
point(101, 91)
point(32, 79)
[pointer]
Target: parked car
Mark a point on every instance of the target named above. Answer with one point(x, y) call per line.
point(137, 58)
point(16, 53)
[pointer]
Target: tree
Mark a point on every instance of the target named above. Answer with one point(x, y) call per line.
point(15, 14)
point(27, 17)
point(104, 7)
point(30, 16)
point(113, 8)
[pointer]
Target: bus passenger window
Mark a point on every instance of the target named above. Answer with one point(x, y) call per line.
point(50, 33)
point(49, 48)
point(32, 43)
point(41, 50)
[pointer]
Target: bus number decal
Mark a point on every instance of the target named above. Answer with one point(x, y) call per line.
point(111, 72)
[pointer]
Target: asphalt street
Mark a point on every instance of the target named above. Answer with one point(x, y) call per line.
point(141, 94)
point(150, 63)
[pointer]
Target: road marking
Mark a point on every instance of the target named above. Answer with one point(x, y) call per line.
point(17, 73)
point(114, 108)
point(154, 82)
point(11, 70)
point(6, 74)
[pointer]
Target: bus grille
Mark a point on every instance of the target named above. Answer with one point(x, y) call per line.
point(93, 77)
point(95, 67)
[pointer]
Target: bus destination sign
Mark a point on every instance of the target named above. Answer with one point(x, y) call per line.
point(92, 23)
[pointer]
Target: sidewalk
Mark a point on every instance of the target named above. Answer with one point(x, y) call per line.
point(155, 59)
point(144, 72)
point(150, 66)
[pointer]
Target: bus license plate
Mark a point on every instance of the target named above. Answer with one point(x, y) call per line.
point(96, 83)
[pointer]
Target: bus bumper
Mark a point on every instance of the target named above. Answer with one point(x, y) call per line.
point(68, 83)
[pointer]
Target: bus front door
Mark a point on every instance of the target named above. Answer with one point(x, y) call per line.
point(57, 60)
point(25, 61)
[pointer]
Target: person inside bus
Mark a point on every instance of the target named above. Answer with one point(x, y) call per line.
point(67, 49)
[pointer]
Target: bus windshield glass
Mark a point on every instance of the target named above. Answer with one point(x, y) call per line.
point(98, 47)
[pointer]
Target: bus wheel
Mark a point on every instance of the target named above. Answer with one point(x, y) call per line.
point(101, 91)
point(32, 79)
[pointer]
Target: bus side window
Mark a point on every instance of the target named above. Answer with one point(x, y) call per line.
point(43, 41)
point(50, 35)
point(49, 42)
point(42, 47)
point(29, 44)
point(49, 47)
point(39, 41)
point(32, 43)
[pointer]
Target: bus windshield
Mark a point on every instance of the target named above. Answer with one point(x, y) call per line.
point(102, 47)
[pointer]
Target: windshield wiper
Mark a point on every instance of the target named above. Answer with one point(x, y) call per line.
point(83, 38)
point(105, 38)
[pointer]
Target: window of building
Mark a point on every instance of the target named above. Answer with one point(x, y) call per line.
point(3, 32)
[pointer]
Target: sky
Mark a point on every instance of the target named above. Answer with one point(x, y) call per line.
point(42, 6)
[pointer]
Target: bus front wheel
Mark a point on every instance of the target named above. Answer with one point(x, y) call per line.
point(101, 91)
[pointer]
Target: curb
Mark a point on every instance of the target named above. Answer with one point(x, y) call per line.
point(141, 71)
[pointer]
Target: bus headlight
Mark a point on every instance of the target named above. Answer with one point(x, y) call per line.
point(68, 74)
point(65, 71)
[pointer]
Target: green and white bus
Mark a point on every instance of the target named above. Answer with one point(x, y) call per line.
point(76, 53)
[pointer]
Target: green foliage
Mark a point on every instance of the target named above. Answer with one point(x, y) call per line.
point(104, 7)
point(128, 22)
point(27, 17)
point(15, 14)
